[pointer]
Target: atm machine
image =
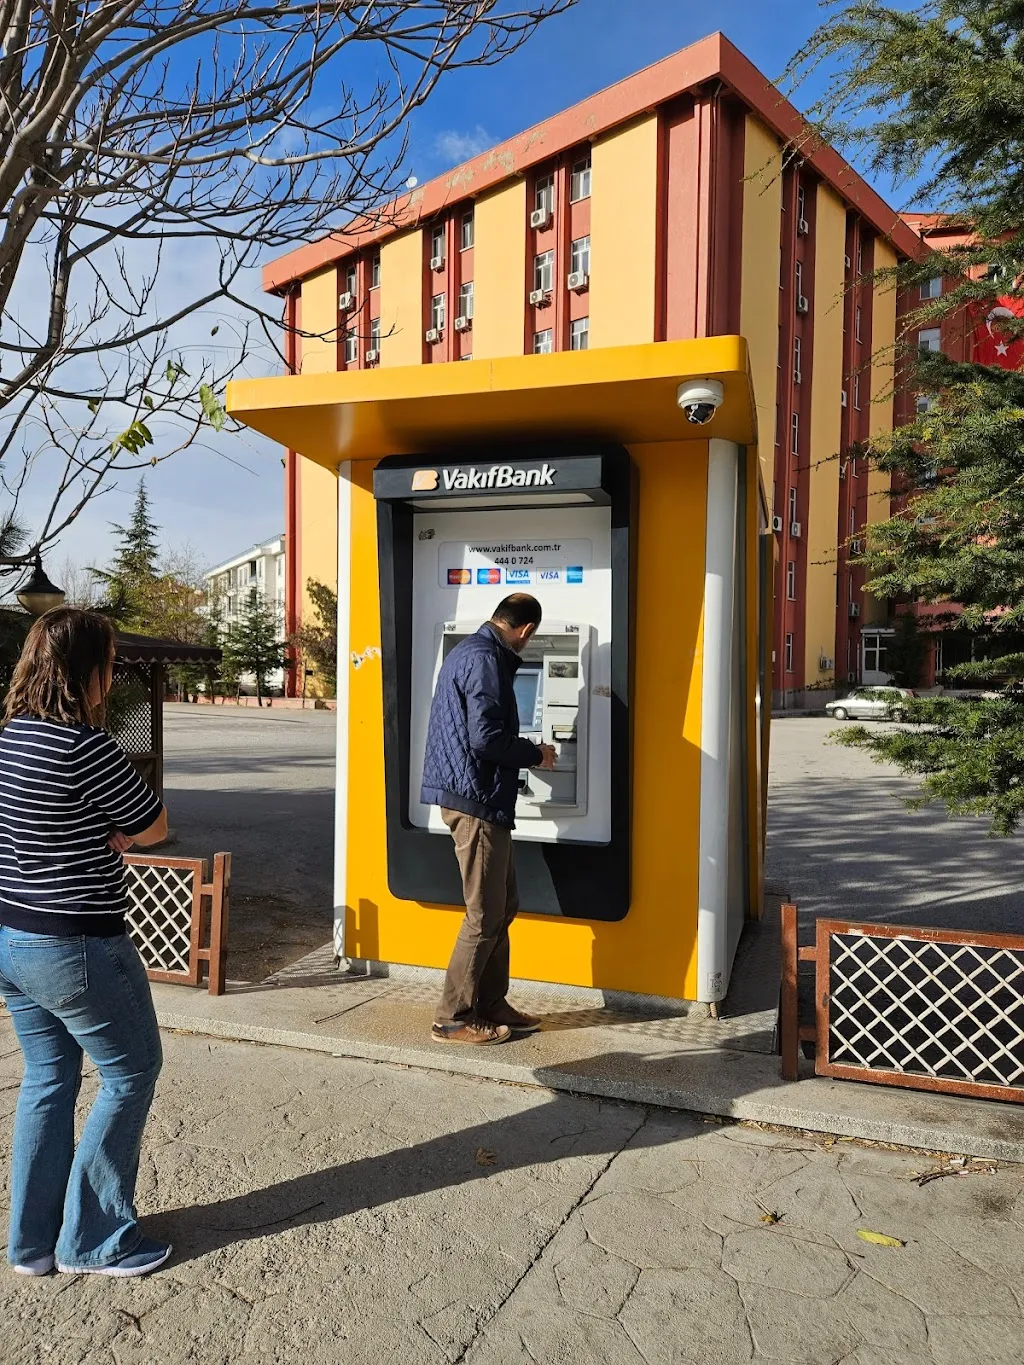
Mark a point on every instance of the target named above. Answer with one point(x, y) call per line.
point(456, 537)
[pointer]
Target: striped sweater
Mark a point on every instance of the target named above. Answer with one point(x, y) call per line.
point(64, 789)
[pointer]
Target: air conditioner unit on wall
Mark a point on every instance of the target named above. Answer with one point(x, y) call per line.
point(825, 664)
point(539, 297)
point(346, 300)
point(437, 262)
point(848, 264)
point(803, 227)
point(578, 279)
point(540, 218)
point(461, 323)
point(843, 400)
point(372, 356)
point(802, 306)
point(777, 525)
point(856, 547)
point(795, 530)
point(851, 677)
point(433, 334)
point(854, 609)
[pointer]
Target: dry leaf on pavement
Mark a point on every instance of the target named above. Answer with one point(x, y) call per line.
point(879, 1239)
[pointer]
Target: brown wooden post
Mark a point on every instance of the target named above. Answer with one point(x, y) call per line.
point(157, 683)
point(219, 907)
point(789, 1023)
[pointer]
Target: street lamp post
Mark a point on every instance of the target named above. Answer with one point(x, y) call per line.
point(37, 594)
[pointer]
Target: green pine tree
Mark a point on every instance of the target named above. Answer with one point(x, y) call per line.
point(130, 579)
point(933, 97)
point(253, 644)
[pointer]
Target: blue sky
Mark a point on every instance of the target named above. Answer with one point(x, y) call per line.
point(227, 493)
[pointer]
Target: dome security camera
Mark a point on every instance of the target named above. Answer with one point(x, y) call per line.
point(700, 399)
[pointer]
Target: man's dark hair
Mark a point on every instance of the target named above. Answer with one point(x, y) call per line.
point(517, 610)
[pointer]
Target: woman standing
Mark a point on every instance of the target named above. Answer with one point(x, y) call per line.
point(71, 804)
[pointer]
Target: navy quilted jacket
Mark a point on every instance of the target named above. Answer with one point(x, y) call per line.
point(474, 751)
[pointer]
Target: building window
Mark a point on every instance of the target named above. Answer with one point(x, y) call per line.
point(860, 257)
point(789, 654)
point(856, 323)
point(580, 255)
point(437, 244)
point(544, 271)
point(791, 581)
point(932, 289)
point(375, 270)
point(350, 280)
point(375, 334)
point(437, 312)
point(544, 194)
point(797, 355)
point(930, 339)
point(792, 506)
point(351, 346)
point(253, 568)
point(542, 342)
point(466, 300)
point(856, 391)
point(579, 334)
point(794, 441)
point(468, 356)
point(799, 279)
point(253, 595)
point(579, 180)
point(467, 230)
point(231, 604)
point(801, 202)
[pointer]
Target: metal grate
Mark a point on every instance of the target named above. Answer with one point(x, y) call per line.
point(910, 1006)
point(178, 917)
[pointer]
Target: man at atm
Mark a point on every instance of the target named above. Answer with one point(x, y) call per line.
point(474, 757)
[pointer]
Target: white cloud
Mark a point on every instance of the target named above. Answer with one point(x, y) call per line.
point(454, 144)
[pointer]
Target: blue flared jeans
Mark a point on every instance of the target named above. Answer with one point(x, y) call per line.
point(66, 997)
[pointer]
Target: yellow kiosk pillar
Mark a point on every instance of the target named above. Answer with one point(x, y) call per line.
point(582, 478)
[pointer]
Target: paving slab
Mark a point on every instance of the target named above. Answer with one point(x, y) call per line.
point(327, 1209)
point(683, 1061)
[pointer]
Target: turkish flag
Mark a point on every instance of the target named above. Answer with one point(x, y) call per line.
point(992, 344)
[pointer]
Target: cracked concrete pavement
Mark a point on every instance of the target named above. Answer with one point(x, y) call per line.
point(326, 1210)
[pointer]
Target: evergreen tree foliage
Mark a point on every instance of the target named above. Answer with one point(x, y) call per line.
point(253, 644)
point(317, 642)
point(933, 97)
point(129, 581)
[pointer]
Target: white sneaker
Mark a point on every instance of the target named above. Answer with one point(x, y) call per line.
point(41, 1267)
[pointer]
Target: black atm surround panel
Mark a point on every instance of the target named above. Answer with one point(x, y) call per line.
point(573, 880)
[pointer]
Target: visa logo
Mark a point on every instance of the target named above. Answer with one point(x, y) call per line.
point(518, 576)
point(551, 575)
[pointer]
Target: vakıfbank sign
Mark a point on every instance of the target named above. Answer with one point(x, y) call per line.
point(458, 479)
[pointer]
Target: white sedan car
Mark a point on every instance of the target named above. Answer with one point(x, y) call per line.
point(869, 703)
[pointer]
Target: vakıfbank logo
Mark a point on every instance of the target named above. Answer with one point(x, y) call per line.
point(498, 476)
point(424, 481)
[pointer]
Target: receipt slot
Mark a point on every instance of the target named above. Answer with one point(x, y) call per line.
point(456, 537)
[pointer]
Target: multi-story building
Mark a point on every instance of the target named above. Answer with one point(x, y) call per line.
point(259, 572)
point(665, 207)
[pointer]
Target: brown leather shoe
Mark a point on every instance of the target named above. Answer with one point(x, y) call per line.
point(513, 1018)
point(476, 1031)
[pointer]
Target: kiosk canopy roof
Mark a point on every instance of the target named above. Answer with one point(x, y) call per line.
point(625, 394)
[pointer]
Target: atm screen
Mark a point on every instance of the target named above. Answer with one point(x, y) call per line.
point(527, 690)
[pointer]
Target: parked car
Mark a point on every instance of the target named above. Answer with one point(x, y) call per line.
point(870, 703)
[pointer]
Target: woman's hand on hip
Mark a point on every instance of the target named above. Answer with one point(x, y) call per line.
point(120, 843)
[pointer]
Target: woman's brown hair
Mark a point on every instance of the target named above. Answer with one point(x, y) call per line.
point(59, 659)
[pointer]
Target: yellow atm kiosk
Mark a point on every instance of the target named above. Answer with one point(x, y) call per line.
point(622, 488)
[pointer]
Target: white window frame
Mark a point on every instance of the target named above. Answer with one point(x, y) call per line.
point(580, 179)
point(375, 333)
point(466, 299)
point(579, 329)
point(375, 270)
point(437, 310)
point(857, 312)
point(929, 340)
point(794, 434)
point(791, 580)
point(798, 373)
point(544, 193)
point(544, 271)
point(467, 230)
point(579, 254)
point(856, 392)
point(801, 201)
point(793, 496)
point(351, 280)
point(351, 346)
point(788, 653)
point(437, 243)
point(932, 289)
point(543, 342)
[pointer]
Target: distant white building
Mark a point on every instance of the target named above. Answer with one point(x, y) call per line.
point(258, 571)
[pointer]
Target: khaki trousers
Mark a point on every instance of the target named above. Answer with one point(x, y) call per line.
point(477, 977)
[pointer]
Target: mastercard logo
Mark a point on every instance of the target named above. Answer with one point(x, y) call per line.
point(458, 577)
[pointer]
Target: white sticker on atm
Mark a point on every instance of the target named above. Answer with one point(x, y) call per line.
point(541, 560)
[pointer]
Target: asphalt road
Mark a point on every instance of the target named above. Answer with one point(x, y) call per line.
point(842, 842)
